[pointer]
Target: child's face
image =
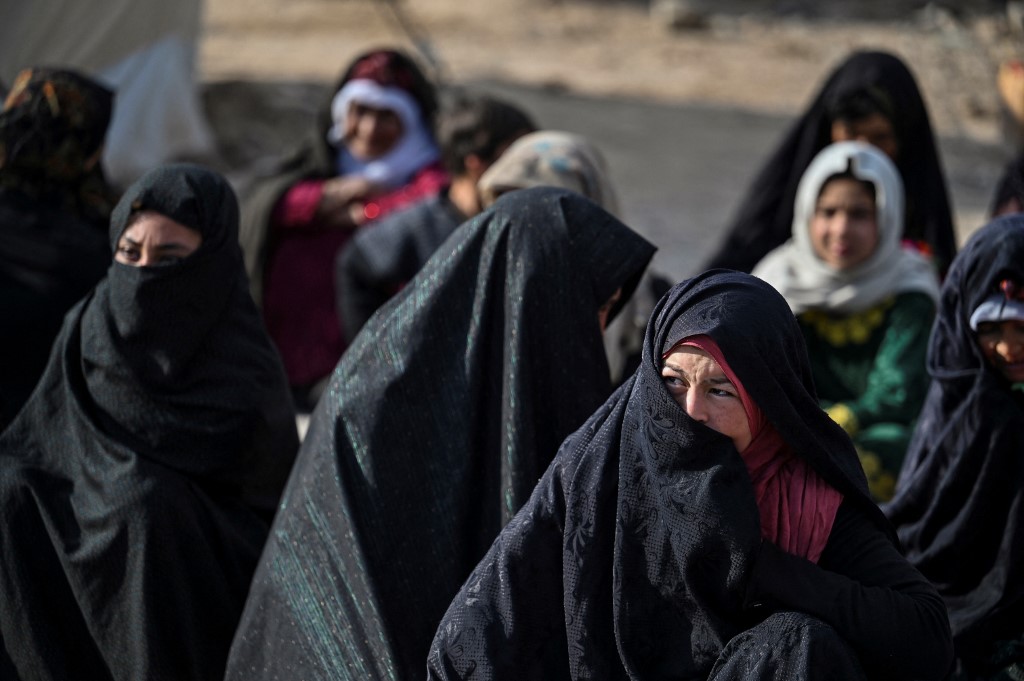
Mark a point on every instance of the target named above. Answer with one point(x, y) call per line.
point(844, 228)
point(1002, 343)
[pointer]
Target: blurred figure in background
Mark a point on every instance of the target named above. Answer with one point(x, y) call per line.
point(560, 159)
point(473, 131)
point(370, 152)
point(871, 97)
point(145, 50)
point(54, 205)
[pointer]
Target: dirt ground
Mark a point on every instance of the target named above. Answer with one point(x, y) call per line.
point(750, 54)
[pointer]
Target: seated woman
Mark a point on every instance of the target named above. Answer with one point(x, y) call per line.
point(708, 521)
point(371, 152)
point(870, 97)
point(550, 158)
point(54, 207)
point(436, 425)
point(138, 482)
point(865, 304)
point(959, 505)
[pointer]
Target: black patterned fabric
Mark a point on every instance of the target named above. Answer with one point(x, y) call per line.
point(764, 215)
point(639, 554)
point(138, 481)
point(435, 427)
point(959, 505)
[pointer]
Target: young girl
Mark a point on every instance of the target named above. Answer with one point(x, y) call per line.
point(865, 305)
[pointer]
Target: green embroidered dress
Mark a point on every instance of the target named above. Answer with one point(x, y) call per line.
point(869, 368)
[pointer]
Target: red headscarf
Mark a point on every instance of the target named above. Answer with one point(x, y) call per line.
point(797, 507)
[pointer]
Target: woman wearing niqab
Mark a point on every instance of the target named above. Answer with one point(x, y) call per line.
point(883, 84)
point(655, 548)
point(54, 208)
point(959, 504)
point(436, 425)
point(138, 481)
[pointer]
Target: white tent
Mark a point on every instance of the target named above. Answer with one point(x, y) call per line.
point(144, 50)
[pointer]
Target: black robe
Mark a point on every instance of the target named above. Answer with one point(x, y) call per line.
point(959, 504)
point(435, 427)
point(138, 481)
point(640, 555)
point(49, 259)
point(764, 217)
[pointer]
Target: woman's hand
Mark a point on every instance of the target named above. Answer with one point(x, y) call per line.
point(341, 201)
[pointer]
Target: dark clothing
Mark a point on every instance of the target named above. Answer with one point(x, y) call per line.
point(54, 208)
point(436, 425)
point(52, 125)
point(378, 262)
point(640, 552)
point(959, 505)
point(49, 259)
point(764, 219)
point(138, 481)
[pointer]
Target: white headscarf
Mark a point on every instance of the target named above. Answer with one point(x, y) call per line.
point(807, 282)
point(414, 150)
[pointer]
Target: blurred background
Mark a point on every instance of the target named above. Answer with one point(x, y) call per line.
point(685, 97)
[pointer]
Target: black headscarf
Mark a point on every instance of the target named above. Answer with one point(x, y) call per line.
point(959, 504)
point(435, 427)
point(53, 123)
point(53, 210)
point(765, 215)
point(632, 556)
point(138, 481)
point(1010, 188)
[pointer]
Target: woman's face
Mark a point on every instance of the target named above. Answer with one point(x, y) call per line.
point(155, 239)
point(844, 227)
point(875, 129)
point(698, 384)
point(1002, 343)
point(369, 132)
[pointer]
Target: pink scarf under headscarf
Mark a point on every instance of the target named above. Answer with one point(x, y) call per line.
point(797, 507)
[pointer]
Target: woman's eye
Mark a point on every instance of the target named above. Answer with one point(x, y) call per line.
point(718, 392)
point(129, 253)
point(672, 381)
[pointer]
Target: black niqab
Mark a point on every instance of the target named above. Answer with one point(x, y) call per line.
point(435, 427)
point(959, 505)
point(138, 481)
point(764, 219)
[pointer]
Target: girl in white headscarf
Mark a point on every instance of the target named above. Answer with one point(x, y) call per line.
point(864, 303)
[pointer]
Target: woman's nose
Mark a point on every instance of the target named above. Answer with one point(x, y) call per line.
point(1011, 348)
point(695, 407)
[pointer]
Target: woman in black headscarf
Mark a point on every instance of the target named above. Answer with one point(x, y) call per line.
point(871, 97)
point(959, 505)
point(669, 540)
point(138, 482)
point(436, 425)
point(54, 206)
